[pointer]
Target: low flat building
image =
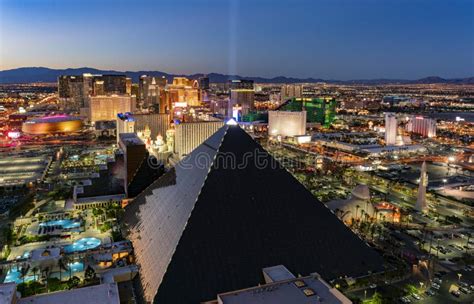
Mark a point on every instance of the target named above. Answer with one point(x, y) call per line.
point(97, 294)
point(17, 172)
point(103, 190)
point(378, 150)
point(8, 294)
point(285, 288)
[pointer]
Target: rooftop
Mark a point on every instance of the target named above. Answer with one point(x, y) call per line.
point(45, 254)
point(277, 273)
point(304, 290)
point(7, 293)
point(108, 183)
point(97, 294)
point(51, 119)
point(130, 139)
point(20, 170)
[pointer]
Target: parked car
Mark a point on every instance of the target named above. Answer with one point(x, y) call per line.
point(430, 292)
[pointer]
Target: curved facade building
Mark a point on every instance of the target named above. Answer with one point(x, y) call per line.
point(52, 124)
point(355, 207)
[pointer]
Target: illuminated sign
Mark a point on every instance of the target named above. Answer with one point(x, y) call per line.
point(180, 104)
point(14, 134)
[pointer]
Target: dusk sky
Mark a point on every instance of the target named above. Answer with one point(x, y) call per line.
point(323, 39)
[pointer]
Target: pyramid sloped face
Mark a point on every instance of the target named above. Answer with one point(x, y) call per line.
point(252, 214)
point(158, 216)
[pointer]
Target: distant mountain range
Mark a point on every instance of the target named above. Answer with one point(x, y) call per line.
point(41, 74)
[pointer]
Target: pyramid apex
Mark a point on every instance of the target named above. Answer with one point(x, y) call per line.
point(231, 122)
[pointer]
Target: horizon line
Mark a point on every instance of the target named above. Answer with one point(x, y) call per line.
point(236, 75)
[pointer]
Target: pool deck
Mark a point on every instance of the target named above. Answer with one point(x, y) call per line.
point(19, 250)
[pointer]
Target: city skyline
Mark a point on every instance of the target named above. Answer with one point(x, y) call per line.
point(330, 40)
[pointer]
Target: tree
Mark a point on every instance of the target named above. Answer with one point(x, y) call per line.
point(35, 270)
point(54, 284)
point(73, 282)
point(105, 227)
point(64, 264)
point(117, 235)
point(376, 213)
point(8, 235)
point(377, 298)
point(89, 274)
point(61, 267)
point(24, 272)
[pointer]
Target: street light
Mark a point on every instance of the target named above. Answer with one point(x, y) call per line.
point(459, 277)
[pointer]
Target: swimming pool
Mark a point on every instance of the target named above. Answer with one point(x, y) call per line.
point(76, 266)
point(65, 224)
point(82, 244)
point(14, 275)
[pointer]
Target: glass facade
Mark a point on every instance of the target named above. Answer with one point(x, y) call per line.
point(321, 110)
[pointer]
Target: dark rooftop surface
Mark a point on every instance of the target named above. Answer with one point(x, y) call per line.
point(131, 139)
point(108, 182)
point(146, 174)
point(245, 219)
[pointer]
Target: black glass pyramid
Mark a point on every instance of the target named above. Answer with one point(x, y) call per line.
point(227, 211)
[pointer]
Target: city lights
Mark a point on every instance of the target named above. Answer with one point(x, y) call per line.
point(236, 152)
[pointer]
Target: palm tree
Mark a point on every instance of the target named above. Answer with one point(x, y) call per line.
point(23, 272)
point(362, 213)
point(357, 210)
point(35, 270)
point(65, 265)
point(61, 266)
point(46, 271)
point(373, 228)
